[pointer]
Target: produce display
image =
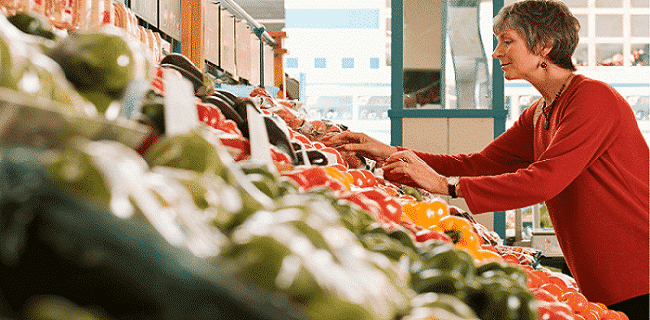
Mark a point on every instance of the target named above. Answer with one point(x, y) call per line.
point(190, 225)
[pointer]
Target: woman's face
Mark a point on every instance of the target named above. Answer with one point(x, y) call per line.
point(517, 61)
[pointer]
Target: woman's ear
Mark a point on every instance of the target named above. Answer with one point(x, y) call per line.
point(546, 46)
point(546, 50)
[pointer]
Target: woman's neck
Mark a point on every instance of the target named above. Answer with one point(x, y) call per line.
point(551, 82)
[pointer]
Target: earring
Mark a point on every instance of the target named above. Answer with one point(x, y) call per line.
point(544, 65)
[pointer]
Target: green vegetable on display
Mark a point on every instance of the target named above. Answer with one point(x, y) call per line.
point(101, 63)
point(32, 23)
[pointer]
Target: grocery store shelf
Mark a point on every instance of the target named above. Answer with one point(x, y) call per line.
point(240, 13)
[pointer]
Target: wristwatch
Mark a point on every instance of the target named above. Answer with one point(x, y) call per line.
point(452, 186)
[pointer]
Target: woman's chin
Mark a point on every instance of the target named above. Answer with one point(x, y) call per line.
point(509, 77)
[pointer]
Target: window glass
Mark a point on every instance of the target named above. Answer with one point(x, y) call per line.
point(609, 25)
point(640, 3)
point(576, 3)
point(320, 63)
point(640, 54)
point(330, 107)
point(581, 55)
point(584, 25)
point(609, 54)
point(374, 63)
point(374, 108)
point(640, 105)
point(639, 25)
point(347, 63)
point(291, 63)
point(609, 3)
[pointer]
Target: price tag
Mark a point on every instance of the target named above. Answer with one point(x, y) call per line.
point(181, 115)
point(258, 136)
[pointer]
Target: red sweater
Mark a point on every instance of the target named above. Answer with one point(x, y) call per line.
point(591, 169)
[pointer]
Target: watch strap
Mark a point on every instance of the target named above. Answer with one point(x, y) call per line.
point(451, 187)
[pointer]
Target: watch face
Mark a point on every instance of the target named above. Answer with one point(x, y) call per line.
point(453, 180)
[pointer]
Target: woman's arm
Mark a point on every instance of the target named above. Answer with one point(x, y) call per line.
point(511, 151)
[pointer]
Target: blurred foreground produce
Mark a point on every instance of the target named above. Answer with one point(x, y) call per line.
point(27, 69)
point(100, 64)
point(67, 246)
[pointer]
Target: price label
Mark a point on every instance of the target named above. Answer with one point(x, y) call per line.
point(181, 115)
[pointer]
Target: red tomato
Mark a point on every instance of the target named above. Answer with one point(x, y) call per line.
point(202, 112)
point(318, 145)
point(612, 315)
point(229, 126)
point(306, 142)
point(337, 167)
point(589, 314)
point(526, 267)
point(374, 193)
point(553, 289)
point(558, 281)
point(371, 180)
point(511, 258)
point(532, 280)
point(368, 205)
point(542, 276)
point(553, 311)
point(599, 308)
point(392, 210)
point(296, 123)
point(319, 126)
point(426, 234)
point(359, 178)
point(285, 113)
point(260, 92)
point(316, 176)
point(279, 156)
point(339, 159)
point(575, 300)
point(542, 294)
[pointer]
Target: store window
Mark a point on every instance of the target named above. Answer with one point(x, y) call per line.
point(320, 63)
point(330, 107)
point(637, 23)
point(584, 22)
point(609, 25)
point(291, 63)
point(374, 63)
point(349, 43)
point(609, 3)
point(347, 63)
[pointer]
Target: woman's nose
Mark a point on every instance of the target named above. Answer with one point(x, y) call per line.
point(497, 52)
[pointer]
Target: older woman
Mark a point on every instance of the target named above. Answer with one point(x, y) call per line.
point(579, 149)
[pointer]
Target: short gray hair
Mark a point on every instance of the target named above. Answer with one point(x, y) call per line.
point(542, 23)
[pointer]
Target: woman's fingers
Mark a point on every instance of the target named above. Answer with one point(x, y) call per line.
point(342, 138)
point(402, 156)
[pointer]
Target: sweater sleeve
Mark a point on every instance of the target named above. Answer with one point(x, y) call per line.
point(511, 151)
point(586, 123)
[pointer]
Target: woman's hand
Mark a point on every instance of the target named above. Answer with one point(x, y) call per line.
point(351, 143)
point(407, 168)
